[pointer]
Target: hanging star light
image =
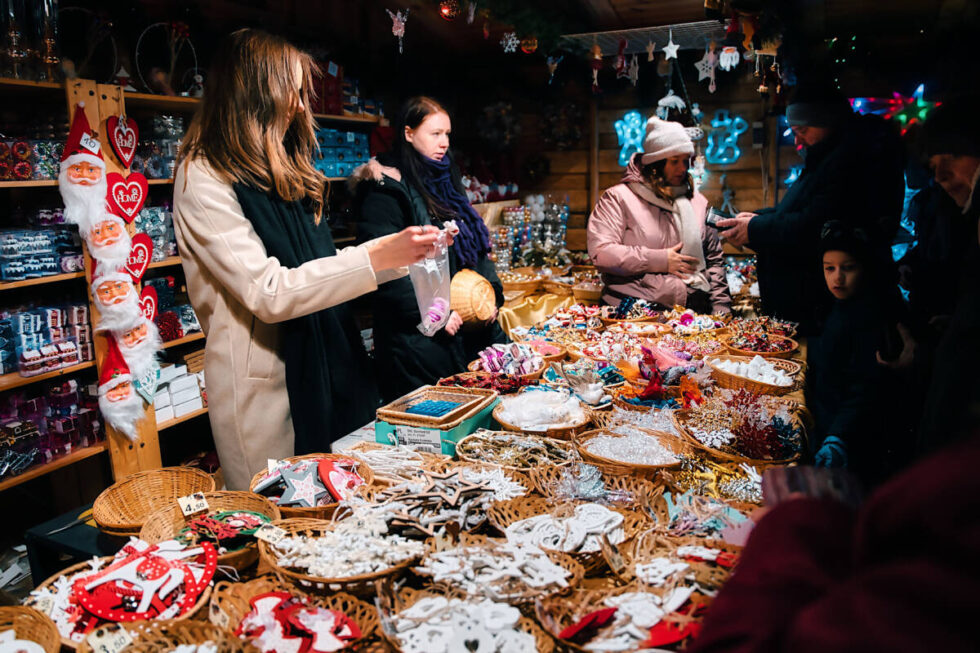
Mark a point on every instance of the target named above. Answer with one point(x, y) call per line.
point(906, 110)
point(670, 50)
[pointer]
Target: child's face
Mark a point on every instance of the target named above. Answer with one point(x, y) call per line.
point(842, 273)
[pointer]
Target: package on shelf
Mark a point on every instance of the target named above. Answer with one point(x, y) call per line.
point(42, 339)
point(330, 98)
point(188, 319)
point(33, 253)
point(157, 223)
point(179, 392)
point(165, 287)
point(156, 157)
point(339, 151)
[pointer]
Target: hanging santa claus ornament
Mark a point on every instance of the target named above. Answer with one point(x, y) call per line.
point(82, 180)
point(596, 61)
point(139, 346)
point(729, 58)
point(121, 405)
point(108, 241)
point(620, 65)
point(116, 299)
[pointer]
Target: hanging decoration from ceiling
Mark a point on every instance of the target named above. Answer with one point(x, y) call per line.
point(470, 12)
point(698, 172)
point(529, 45)
point(629, 131)
point(596, 53)
point(723, 140)
point(651, 47)
point(510, 42)
point(398, 20)
point(670, 50)
point(620, 65)
point(706, 67)
point(729, 58)
point(552, 63)
point(449, 9)
point(905, 110)
point(668, 103)
point(634, 71)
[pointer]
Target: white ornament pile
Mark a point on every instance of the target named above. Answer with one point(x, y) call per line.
point(540, 410)
point(714, 438)
point(631, 446)
point(654, 419)
point(207, 647)
point(345, 552)
point(395, 464)
point(657, 571)
point(578, 533)
point(440, 625)
point(496, 479)
point(758, 369)
point(636, 614)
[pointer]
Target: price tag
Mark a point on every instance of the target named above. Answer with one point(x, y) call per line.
point(109, 639)
point(269, 533)
point(219, 617)
point(90, 144)
point(193, 504)
point(332, 69)
point(421, 439)
point(612, 555)
point(44, 605)
point(273, 464)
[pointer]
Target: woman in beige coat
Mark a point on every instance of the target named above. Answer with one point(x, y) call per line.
point(258, 263)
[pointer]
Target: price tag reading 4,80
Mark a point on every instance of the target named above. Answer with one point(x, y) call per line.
point(269, 533)
point(193, 504)
point(109, 639)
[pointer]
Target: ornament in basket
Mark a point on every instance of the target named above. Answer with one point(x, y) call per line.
point(22, 627)
point(552, 413)
point(168, 635)
point(771, 376)
point(122, 508)
point(515, 451)
point(311, 486)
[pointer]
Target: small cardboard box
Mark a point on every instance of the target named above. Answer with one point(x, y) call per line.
point(164, 414)
point(188, 407)
point(436, 440)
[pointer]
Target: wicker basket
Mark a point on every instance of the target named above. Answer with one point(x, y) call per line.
point(789, 353)
point(230, 603)
point(557, 288)
point(611, 467)
point(468, 401)
point(122, 508)
point(612, 321)
point(655, 544)
point(652, 328)
point(316, 512)
point(631, 487)
point(408, 596)
point(680, 417)
point(487, 376)
point(551, 358)
point(504, 513)
point(426, 460)
point(155, 636)
point(559, 433)
point(360, 585)
point(514, 475)
point(472, 296)
point(86, 568)
point(474, 366)
point(553, 442)
point(31, 625)
point(166, 523)
point(524, 286)
point(734, 382)
point(587, 294)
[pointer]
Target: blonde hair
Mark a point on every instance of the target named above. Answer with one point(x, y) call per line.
point(247, 126)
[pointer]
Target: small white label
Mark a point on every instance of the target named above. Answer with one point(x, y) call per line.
point(612, 555)
point(350, 137)
point(219, 617)
point(193, 504)
point(273, 464)
point(44, 605)
point(269, 533)
point(332, 69)
point(108, 640)
point(422, 439)
point(90, 144)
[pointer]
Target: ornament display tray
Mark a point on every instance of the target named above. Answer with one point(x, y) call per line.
point(468, 399)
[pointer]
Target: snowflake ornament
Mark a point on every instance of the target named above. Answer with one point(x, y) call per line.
point(510, 42)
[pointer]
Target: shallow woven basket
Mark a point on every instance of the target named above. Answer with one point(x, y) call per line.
point(559, 433)
point(84, 567)
point(560, 444)
point(230, 603)
point(166, 523)
point(656, 328)
point(586, 294)
point(360, 585)
point(315, 512)
point(472, 297)
point(408, 596)
point(680, 417)
point(31, 625)
point(734, 382)
point(553, 358)
point(474, 366)
point(557, 288)
point(122, 507)
point(427, 460)
point(610, 321)
point(789, 353)
point(156, 636)
point(477, 375)
point(611, 467)
point(632, 487)
point(523, 286)
point(504, 513)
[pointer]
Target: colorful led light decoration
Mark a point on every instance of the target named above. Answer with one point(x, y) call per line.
point(629, 131)
point(906, 110)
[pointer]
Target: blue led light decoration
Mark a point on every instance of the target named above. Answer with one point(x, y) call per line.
point(630, 131)
point(723, 139)
point(794, 174)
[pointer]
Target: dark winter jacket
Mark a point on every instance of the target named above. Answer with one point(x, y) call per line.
point(855, 175)
point(406, 358)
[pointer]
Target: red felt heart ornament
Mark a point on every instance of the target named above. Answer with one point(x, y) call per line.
point(126, 195)
point(586, 628)
point(124, 135)
point(339, 481)
point(139, 256)
point(148, 302)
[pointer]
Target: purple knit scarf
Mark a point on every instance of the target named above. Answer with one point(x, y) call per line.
point(473, 240)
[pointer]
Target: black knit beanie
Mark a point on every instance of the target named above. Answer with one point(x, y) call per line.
point(952, 128)
point(816, 104)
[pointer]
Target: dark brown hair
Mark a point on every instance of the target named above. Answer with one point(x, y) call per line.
point(653, 173)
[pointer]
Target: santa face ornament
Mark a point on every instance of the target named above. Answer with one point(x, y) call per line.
point(83, 189)
point(122, 407)
point(109, 242)
point(117, 301)
point(139, 346)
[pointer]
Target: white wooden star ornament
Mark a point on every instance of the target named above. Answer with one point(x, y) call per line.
point(670, 50)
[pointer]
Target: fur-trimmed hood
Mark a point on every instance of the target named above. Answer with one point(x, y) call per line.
point(373, 170)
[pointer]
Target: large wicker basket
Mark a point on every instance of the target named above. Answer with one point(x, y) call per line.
point(680, 422)
point(558, 433)
point(31, 625)
point(122, 508)
point(517, 476)
point(587, 294)
point(557, 288)
point(155, 636)
point(651, 328)
point(551, 442)
point(381, 478)
point(360, 585)
point(315, 512)
point(528, 286)
point(627, 488)
point(230, 603)
point(612, 468)
point(166, 523)
point(472, 297)
point(789, 353)
point(734, 382)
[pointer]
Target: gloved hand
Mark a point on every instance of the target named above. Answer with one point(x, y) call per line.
point(832, 453)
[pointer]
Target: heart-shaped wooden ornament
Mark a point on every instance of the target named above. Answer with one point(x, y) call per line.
point(124, 135)
point(139, 256)
point(126, 195)
point(148, 302)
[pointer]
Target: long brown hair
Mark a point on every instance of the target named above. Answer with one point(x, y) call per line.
point(653, 174)
point(247, 126)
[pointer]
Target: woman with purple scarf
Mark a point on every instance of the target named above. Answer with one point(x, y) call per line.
point(417, 184)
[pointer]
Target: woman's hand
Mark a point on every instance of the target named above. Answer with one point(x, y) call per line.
point(404, 248)
point(454, 323)
point(679, 264)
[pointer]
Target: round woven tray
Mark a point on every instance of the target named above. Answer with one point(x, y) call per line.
point(380, 479)
point(315, 512)
point(631, 487)
point(587, 294)
point(552, 358)
point(155, 636)
point(518, 476)
point(360, 585)
point(31, 625)
point(166, 523)
point(408, 596)
point(122, 507)
point(556, 443)
point(611, 321)
point(474, 366)
point(230, 603)
point(504, 513)
point(789, 353)
point(611, 467)
point(84, 567)
point(560, 433)
point(679, 422)
point(488, 375)
point(734, 382)
point(651, 327)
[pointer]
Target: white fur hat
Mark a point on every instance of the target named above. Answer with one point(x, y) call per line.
point(665, 139)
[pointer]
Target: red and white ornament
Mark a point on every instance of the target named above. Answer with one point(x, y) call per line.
point(140, 255)
point(82, 179)
point(126, 195)
point(124, 135)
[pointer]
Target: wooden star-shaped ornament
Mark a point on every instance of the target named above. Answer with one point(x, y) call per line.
point(303, 488)
point(706, 66)
point(670, 50)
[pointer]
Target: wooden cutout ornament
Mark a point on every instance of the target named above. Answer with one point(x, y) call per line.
point(146, 385)
point(148, 302)
point(140, 256)
point(126, 195)
point(124, 135)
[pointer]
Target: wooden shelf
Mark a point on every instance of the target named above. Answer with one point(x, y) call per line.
point(44, 468)
point(194, 337)
point(54, 278)
point(15, 380)
point(168, 102)
point(154, 182)
point(30, 183)
point(13, 85)
point(165, 263)
point(182, 418)
point(364, 120)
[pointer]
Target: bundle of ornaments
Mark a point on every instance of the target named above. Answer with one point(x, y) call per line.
point(280, 621)
point(478, 192)
point(686, 322)
point(309, 482)
point(101, 205)
point(513, 358)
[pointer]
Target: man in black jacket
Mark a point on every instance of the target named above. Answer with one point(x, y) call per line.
point(853, 170)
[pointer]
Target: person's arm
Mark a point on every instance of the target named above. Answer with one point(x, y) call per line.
point(714, 259)
point(607, 226)
point(861, 380)
point(212, 227)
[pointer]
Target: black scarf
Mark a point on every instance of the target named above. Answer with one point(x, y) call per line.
point(328, 375)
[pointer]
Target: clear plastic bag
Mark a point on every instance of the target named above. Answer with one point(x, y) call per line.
point(430, 278)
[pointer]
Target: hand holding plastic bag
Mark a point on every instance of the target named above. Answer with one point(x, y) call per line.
point(430, 278)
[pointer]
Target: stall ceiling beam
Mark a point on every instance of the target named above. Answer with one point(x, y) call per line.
point(689, 36)
point(602, 13)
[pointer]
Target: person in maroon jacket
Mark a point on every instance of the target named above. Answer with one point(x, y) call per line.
point(900, 574)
